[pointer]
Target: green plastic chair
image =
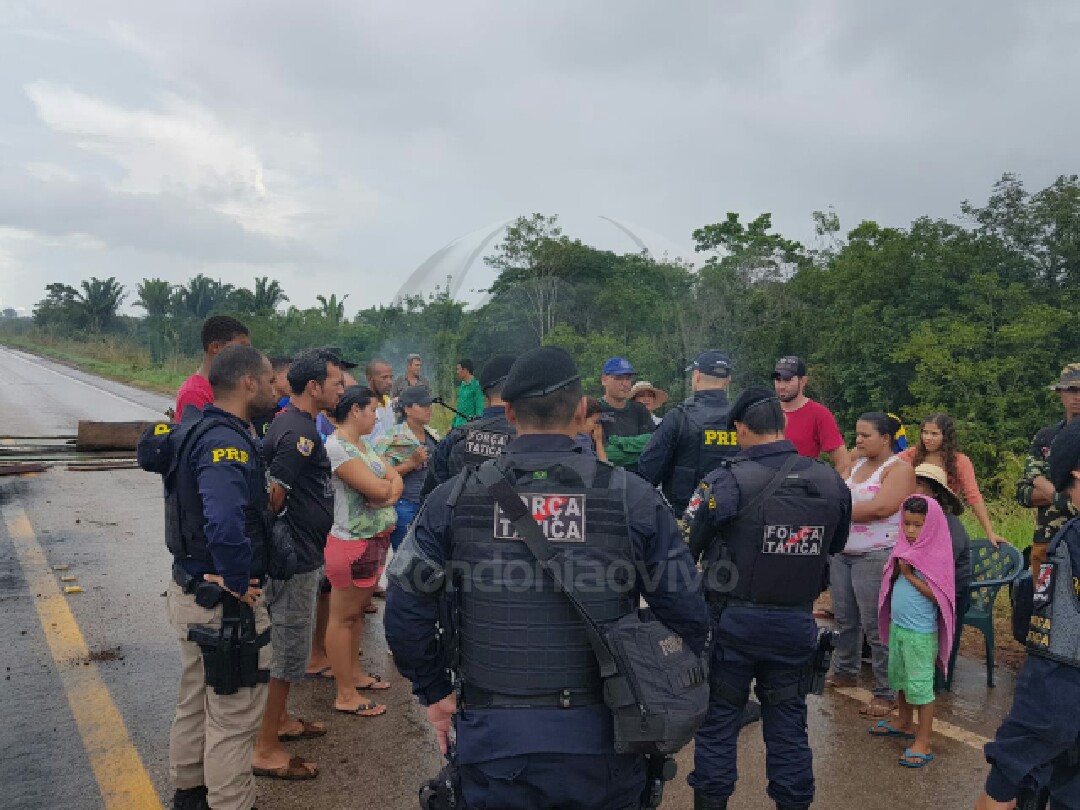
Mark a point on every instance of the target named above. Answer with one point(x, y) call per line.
point(991, 570)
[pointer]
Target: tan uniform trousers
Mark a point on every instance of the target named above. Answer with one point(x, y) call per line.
point(213, 736)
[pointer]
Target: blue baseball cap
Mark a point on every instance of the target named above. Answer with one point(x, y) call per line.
point(618, 365)
point(712, 362)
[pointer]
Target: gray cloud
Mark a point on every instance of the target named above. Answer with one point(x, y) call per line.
point(382, 131)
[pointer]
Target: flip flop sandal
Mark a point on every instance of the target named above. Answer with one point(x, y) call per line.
point(877, 709)
point(326, 674)
point(376, 685)
point(379, 593)
point(360, 710)
point(840, 682)
point(371, 609)
point(307, 731)
point(921, 760)
point(296, 771)
point(889, 731)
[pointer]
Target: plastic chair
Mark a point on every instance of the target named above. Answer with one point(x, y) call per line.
point(991, 570)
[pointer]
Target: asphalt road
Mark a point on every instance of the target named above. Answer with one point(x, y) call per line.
point(90, 678)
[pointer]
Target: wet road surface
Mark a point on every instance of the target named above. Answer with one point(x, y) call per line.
point(90, 678)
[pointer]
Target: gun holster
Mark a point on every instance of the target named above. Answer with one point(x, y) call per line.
point(444, 791)
point(820, 663)
point(231, 652)
point(658, 770)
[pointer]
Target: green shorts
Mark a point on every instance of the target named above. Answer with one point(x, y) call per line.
point(911, 664)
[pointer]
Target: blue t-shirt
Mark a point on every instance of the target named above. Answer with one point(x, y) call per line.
point(910, 609)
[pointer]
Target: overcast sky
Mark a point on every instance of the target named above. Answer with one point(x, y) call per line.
point(336, 145)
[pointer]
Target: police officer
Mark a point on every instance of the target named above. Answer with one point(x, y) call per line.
point(764, 525)
point(695, 436)
point(1038, 745)
point(476, 441)
point(532, 729)
point(216, 521)
point(1034, 490)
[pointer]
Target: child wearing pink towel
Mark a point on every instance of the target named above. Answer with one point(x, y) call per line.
point(916, 618)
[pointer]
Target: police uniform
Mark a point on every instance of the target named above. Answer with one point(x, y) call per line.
point(764, 557)
point(693, 440)
point(1042, 729)
point(478, 440)
point(215, 523)
point(532, 729)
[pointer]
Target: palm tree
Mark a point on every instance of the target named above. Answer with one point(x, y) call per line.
point(200, 297)
point(99, 300)
point(332, 308)
point(154, 296)
point(268, 295)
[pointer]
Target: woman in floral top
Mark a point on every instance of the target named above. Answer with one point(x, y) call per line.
point(365, 490)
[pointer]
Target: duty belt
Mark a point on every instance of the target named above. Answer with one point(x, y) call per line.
point(188, 582)
point(476, 698)
point(712, 596)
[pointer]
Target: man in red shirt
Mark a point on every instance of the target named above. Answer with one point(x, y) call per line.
point(218, 331)
point(811, 427)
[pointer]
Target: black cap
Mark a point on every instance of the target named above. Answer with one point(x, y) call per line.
point(750, 398)
point(415, 395)
point(712, 362)
point(540, 372)
point(338, 355)
point(495, 370)
point(788, 367)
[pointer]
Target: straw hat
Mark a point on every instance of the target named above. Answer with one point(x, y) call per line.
point(645, 385)
point(932, 472)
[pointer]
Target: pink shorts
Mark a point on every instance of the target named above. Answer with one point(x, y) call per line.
point(357, 563)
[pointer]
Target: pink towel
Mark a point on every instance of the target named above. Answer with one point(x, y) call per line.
point(931, 555)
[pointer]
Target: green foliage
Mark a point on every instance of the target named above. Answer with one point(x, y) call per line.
point(973, 317)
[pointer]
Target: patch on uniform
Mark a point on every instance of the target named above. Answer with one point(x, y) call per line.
point(161, 429)
point(1044, 586)
point(305, 446)
point(719, 438)
point(796, 540)
point(485, 443)
point(228, 454)
point(561, 517)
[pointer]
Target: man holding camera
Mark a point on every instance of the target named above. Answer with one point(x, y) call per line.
point(216, 529)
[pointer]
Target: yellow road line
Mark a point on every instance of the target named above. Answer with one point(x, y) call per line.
point(121, 776)
point(941, 727)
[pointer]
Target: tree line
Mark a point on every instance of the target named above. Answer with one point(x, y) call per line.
point(974, 317)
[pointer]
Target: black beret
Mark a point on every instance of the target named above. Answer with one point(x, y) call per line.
point(1065, 456)
point(540, 372)
point(495, 370)
point(748, 399)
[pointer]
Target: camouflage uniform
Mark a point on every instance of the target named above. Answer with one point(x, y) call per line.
point(1048, 519)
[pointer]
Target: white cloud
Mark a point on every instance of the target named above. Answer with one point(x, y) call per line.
point(180, 148)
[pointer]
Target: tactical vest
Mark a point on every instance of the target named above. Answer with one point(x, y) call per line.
point(705, 439)
point(481, 440)
point(518, 638)
point(778, 546)
point(1054, 631)
point(185, 534)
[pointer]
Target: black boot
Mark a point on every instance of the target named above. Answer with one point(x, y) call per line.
point(702, 801)
point(190, 799)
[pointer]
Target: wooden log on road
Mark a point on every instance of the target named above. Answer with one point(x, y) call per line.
point(109, 435)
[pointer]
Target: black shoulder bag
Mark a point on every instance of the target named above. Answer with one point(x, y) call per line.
point(655, 686)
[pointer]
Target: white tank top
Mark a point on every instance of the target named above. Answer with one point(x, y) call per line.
point(875, 534)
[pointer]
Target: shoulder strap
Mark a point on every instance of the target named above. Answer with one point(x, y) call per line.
point(500, 488)
point(772, 486)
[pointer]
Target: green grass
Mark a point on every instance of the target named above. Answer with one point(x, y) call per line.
point(110, 358)
point(1011, 520)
